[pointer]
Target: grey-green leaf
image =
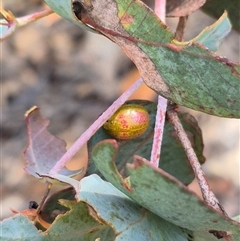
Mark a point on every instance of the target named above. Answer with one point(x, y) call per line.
point(131, 221)
point(215, 8)
point(160, 193)
point(212, 36)
point(80, 223)
point(191, 76)
point(19, 227)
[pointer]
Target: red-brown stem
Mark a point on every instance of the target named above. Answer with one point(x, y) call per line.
point(181, 28)
point(48, 188)
point(208, 195)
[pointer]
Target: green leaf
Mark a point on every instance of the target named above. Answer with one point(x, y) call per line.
point(52, 207)
point(215, 8)
point(19, 227)
point(191, 76)
point(212, 36)
point(237, 218)
point(80, 223)
point(65, 9)
point(160, 193)
point(129, 220)
point(173, 157)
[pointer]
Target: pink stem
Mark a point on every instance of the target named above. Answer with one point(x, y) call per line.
point(160, 9)
point(33, 17)
point(94, 127)
point(160, 6)
point(158, 131)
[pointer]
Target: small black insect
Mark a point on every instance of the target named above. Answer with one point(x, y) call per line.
point(33, 205)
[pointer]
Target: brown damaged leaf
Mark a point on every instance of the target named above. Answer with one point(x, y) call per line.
point(29, 213)
point(44, 149)
point(176, 8)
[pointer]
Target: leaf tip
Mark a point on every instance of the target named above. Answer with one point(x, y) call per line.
point(28, 112)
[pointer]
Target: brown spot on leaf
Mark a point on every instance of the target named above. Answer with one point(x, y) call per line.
point(201, 107)
point(211, 111)
point(231, 101)
point(218, 234)
point(127, 19)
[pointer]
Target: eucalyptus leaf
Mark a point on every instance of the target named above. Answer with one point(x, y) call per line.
point(44, 149)
point(215, 8)
point(160, 192)
point(212, 36)
point(52, 207)
point(19, 227)
point(79, 223)
point(190, 75)
point(129, 220)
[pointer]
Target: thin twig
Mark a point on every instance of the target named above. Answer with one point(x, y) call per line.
point(49, 186)
point(181, 28)
point(208, 195)
point(94, 127)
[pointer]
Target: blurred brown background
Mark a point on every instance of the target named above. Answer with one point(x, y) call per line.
point(73, 75)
